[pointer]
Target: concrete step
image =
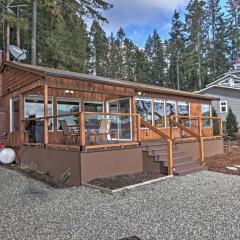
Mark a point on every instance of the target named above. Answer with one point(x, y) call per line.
point(191, 170)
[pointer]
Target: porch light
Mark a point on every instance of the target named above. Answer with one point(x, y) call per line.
point(139, 93)
point(68, 91)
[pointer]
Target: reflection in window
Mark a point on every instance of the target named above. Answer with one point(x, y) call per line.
point(34, 108)
point(206, 113)
point(93, 121)
point(90, 106)
point(65, 106)
point(183, 110)
point(144, 108)
point(159, 113)
point(14, 114)
point(170, 109)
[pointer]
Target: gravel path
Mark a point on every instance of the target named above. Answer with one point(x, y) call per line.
point(205, 205)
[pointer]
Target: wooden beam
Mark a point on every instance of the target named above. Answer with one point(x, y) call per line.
point(45, 114)
point(201, 144)
point(21, 118)
point(170, 157)
point(82, 130)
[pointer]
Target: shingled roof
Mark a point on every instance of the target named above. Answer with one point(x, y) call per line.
point(45, 71)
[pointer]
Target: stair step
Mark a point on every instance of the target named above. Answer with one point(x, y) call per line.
point(146, 143)
point(176, 160)
point(191, 170)
point(186, 165)
point(164, 154)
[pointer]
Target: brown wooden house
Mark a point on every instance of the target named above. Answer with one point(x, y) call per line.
point(99, 127)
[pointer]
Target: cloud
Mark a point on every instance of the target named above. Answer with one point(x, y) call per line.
point(144, 13)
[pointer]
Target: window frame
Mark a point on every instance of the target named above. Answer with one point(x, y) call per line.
point(11, 117)
point(226, 106)
point(40, 97)
point(210, 114)
point(149, 100)
point(66, 100)
point(158, 100)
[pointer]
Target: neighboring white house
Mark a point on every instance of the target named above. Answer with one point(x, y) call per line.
point(227, 89)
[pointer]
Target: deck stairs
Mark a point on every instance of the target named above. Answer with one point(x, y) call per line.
point(155, 155)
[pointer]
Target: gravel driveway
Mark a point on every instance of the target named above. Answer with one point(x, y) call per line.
point(205, 205)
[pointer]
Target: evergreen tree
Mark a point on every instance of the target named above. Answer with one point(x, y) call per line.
point(233, 20)
point(196, 34)
point(231, 123)
point(98, 50)
point(217, 37)
point(176, 53)
point(155, 57)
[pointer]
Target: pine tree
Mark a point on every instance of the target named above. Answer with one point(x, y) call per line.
point(231, 123)
point(233, 20)
point(155, 57)
point(217, 37)
point(98, 50)
point(196, 35)
point(176, 52)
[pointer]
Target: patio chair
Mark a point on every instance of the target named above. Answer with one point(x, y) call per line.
point(68, 131)
point(104, 130)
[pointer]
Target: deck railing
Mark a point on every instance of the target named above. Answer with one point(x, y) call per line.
point(89, 129)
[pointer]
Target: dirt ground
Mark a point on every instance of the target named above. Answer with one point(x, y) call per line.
point(218, 163)
point(124, 180)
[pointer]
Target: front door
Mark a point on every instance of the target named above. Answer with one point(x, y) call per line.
point(123, 124)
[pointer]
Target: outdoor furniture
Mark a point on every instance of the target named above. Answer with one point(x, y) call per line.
point(103, 131)
point(69, 131)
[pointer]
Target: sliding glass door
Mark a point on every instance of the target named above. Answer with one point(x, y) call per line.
point(122, 125)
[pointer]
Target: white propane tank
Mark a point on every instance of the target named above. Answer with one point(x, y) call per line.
point(7, 156)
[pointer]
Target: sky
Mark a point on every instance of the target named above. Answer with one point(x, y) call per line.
point(139, 18)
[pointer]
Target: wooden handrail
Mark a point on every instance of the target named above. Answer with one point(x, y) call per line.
point(154, 129)
point(189, 131)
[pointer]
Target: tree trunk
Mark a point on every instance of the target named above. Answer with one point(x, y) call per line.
point(34, 33)
point(18, 29)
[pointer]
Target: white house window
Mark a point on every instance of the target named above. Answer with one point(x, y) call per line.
point(170, 109)
point(223, 106)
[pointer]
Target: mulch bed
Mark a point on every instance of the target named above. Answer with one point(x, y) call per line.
point(121, 181)
point(39, 176)
point(218, 163)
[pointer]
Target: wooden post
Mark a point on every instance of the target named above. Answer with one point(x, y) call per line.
point(133, 119)
point(170, 157)
point(221, 127)
point(45, 114)
point(138, 127)
point(201, 144)
point(82, 130)
point(171, 126)
point(21, 118)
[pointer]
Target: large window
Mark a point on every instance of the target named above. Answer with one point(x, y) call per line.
point(170, 109)
point(64, 106)
point(206, 113)
point(14, 114)
point(183, 110)
point(92, 106)
point(34, 108)
point(159, 113)
point(144, 108)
